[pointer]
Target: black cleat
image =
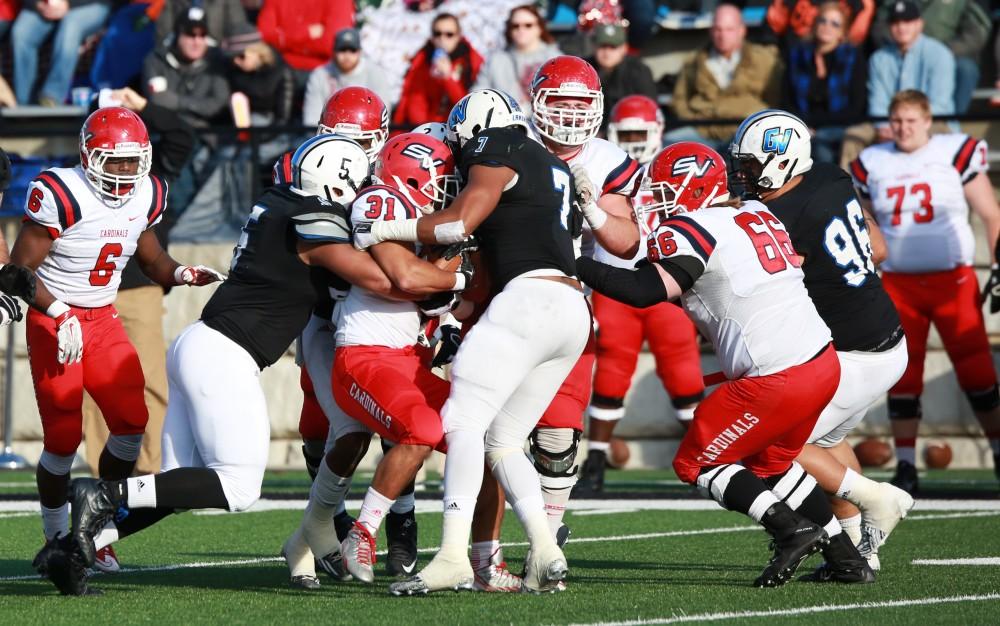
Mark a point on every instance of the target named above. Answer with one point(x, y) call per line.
point(305, 581)
point(91, 508)
point(61, 562)
point(794, 540)
point(343, 523)
point(906, 477)
point(844, 564)
point(401, 533)
point(563, 535)
point(592, 474)
point(333, 565)
point(996, 466)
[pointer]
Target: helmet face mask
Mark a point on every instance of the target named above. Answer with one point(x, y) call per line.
point(421, 168)
point(769, 149)
point(636, 126)
point(684, 177)
point(359, 114)
point(567, 101)
point(115, 154)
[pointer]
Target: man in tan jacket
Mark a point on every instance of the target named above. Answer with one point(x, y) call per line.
point(730, 79)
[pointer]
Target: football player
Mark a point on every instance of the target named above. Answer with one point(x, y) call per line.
point(518, 202)
point(920, 188)
point(733, 268)
point(636, 126)
point(12, 278)
point(82, 224)
point(832, 234)
point(216, 432)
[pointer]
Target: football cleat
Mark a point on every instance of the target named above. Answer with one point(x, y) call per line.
point(343, 522)
point(544, 569)
point(62, 563)
point(879, 520)
point(333, 565)
point(401, 535)
point(358, 551)
point(843, 564)
point(440, 574)
point(906, 477)
point(306, 582)
point(91, 508)
point(563, 535)
point(591, 474)
point(496, 579)
point(106, 561)
point(299, 559)
point(791, 547)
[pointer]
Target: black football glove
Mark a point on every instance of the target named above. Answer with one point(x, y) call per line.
point(10, 310)
point(439, 303)
point(470, 244)
point(992, 290)
point(18, 281)
point(450, 337)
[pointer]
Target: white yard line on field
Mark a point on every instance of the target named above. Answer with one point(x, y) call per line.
point(820, 608)
point(986, 560)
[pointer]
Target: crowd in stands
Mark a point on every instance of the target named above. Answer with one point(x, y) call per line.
point(835, 63)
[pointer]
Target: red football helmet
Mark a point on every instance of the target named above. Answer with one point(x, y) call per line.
point(420, 167)
point(118, 136)
point(636, 126)
point(686, 176)
point(566, 100)
point(358, 113)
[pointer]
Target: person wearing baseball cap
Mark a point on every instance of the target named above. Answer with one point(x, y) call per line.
point(348, 67)
point(621, 74)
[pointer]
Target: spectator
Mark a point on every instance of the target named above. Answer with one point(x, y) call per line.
point(223, 18)
point(349, 68)
point(441, 73)
point(795, 19)
point(188, 76)
point(303, 31)
point(529, 44)
point(257, 71)
point(72, 23)
point(621, 75)
point(826, 81)
point(8, 11)
point(962, 25)
point(729, 79)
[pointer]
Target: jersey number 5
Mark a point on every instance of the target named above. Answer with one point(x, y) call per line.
point(774, 248)
point(104, 269)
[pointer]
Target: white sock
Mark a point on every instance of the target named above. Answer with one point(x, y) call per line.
point(555, 501)
point(483, 553)
point(908, 454)
point(519, 479)
point(760, 505)
point(55, 521)
point(141, 492)
point(603, 446)
point(327, 493)
point(530, 511)
point(404, 504)
point(852, 528)
point(863, 493)
point(463, 476)
point(107, 536)
point(373, 510)
point(686, 415)
point(833, 528)
point(847, 483)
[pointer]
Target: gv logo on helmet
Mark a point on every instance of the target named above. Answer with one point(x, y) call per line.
point(776, 140)
point(689, 164)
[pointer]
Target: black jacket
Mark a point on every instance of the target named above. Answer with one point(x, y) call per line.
point(630, 77)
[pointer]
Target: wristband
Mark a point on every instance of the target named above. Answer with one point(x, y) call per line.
point(397, 230)
point(179, 275)
point(595, 215)
point(459, 282)
point(57, 309)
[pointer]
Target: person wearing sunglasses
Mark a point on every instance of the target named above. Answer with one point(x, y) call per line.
point(827, 80)
point(441, 73)
point(529, 44)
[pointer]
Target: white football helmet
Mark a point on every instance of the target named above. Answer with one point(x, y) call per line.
point(436, 130)
point(482, 109)
point(769, 149)
point(330, 166)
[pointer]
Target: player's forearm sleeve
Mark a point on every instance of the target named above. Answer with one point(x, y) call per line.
point(639, 288)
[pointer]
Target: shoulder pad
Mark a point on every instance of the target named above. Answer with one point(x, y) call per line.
point(51, 203)
point(381, 203)
point(158, 199)
point(494, 144)
point(322, 221)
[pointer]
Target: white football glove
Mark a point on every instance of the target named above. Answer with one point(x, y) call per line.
point(197, 275)
point(362, 236)
point(586, 197)
point(10, 310)
point(68, 333)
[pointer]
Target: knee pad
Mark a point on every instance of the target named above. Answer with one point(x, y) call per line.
point(495, 455)
point(554, 451)
point(793, 486)
point(682, 401)
point(713, 481)
point(312, 452)
point(612, 409)
point(904, 408)
point(984, 400)
point(124, 447)
point(55, 463)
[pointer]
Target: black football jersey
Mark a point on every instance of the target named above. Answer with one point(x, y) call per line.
point(534, 224)
point(267, 299)
point(827, 227)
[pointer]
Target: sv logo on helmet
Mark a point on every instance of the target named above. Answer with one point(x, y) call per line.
point(423, 154)
point(689, 164)
point(776, 140)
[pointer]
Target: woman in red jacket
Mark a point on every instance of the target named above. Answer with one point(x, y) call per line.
point(440, 75)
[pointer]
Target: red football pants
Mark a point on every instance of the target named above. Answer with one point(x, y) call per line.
point(312, 420)
point(762, 421)
point(672, 340)
point(951, 301)
point(109, 371)
point(389, 391)
point(568, 406)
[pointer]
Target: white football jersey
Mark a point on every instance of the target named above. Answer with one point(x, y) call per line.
point(919, 200)
point(366, 319)
point(750, 301)
point(91, 242)
point(643, 197)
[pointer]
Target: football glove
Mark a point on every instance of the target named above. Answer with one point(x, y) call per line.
point(17, 281)
point(197, 275)
point(10, 310)
point(992, 290)
point(469, 245)
point(438, 304)
point(362, 236)
point(450, 337)
point(586, 198)
point(467, 269)
point(69, 333)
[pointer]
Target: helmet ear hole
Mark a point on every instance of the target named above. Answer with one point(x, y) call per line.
point(413, 183)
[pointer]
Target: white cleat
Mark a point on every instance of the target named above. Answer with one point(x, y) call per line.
point(440, 574)
point(880, 518)
point(544, 569)
point(106, 561)
point(496, 579)
point(358, 550)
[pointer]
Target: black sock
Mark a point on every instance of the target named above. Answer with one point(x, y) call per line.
point(732, 486)
point(139, 519)
point(190, 488)
point(111, 467)
point(800, 491)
